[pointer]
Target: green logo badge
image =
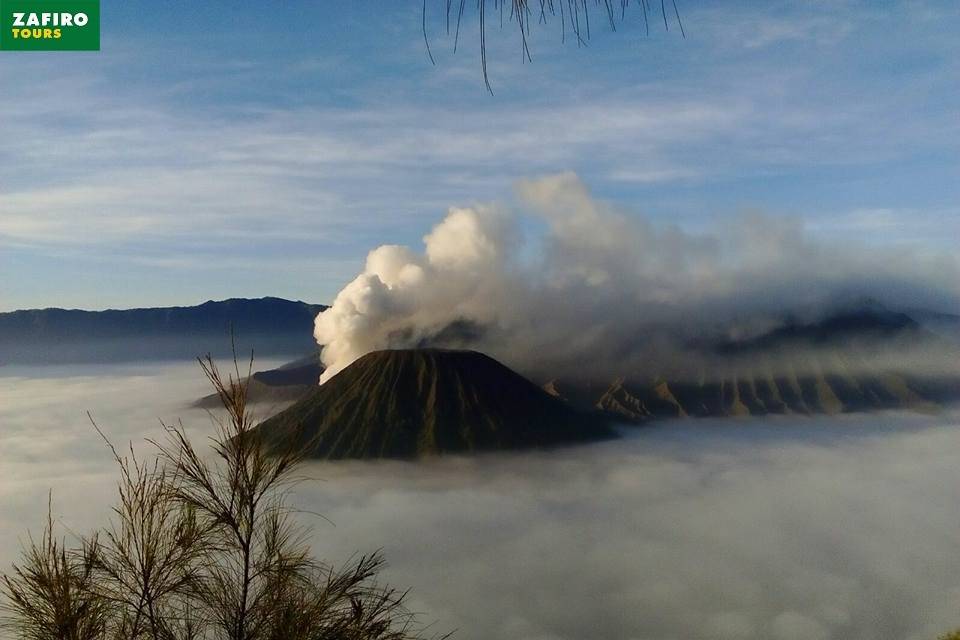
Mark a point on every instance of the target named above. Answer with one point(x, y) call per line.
point(49, 25)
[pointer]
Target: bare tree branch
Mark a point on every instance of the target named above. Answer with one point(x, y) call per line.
point(573, 15)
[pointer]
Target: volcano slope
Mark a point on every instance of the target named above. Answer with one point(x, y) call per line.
point(422, 402)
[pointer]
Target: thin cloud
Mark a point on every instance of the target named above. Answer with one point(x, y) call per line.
point(135, 148)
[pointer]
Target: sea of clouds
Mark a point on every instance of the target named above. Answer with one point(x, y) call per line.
point(781, 529)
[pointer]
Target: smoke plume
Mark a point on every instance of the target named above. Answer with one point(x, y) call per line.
point(600, 289)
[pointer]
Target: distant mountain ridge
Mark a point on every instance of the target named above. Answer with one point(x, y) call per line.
point(258, 315)
point(760, 393)
point(849, 361)
point(867, 323)
point(268, 325)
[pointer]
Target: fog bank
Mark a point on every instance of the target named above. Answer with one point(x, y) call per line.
point(840, 528)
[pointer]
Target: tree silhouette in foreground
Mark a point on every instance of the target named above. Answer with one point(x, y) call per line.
point(201, 545)
point(573, 17)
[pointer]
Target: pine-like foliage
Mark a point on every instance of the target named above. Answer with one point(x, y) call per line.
point(201, 545)
point(573, 17)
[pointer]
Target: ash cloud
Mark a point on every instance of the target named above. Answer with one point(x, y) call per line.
point(604, 291)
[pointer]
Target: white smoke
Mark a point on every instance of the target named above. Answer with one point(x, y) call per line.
point(600, 286)
point(401, 292)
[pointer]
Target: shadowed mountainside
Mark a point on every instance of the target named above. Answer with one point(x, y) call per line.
point(413, 403)
point(761, 393)
point(868, 325)
point(287, 383)
point(847, 362)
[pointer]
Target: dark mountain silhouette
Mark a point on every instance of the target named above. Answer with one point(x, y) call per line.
point(412, 403)
point(284, 384)
point(760, 393)
point(861, 325)
point(303, 371)
point(270, 326)
point(845, 362)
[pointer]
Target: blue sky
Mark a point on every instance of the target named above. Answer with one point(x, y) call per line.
point(212, 151)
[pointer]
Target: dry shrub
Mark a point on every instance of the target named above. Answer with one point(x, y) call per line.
point(201, 545)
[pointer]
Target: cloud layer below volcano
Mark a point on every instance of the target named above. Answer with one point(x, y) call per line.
point(770, 529)
point(709, 530)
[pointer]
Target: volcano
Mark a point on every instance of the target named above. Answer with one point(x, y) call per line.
point(422, 402)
